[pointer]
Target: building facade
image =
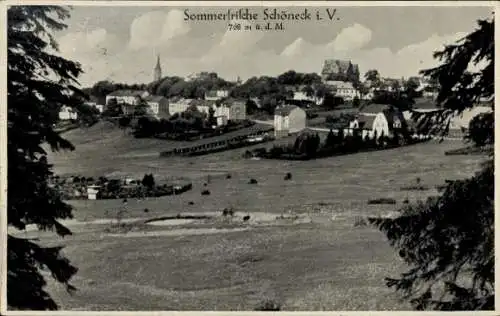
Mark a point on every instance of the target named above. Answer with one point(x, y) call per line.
point(288, 119)
point(302, 96)
point(157, 106)
point(67, 113)
point(180, 105)
point(343, 89)
point(215, 95)
point(340, 70)
point(376, 120)
point(132, 97)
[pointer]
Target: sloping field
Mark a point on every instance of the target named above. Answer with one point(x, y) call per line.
point(324, 265)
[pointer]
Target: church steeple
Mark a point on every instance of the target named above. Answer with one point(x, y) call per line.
point(157, 70)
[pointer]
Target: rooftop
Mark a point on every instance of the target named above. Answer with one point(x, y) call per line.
point(285, 110)
point(340, 84)
point(154, 98)
point(374, 108)
point(425, 104)
point(335, 65)
point(366, 121)
point(232, 101)
point(197, 102)
point(125, 93)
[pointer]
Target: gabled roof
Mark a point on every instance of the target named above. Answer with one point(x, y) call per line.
point(196, 102)
point(425, 104)
point(333, 66)
point(285, 110)
point(211, 93)
point(393, 116)
point(365, 121)
point(125, 93)
point(154, 98)
point(175, 99)
point(340, 84)
point(374, 108)
point(231, 101)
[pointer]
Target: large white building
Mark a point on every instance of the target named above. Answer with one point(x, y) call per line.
point(288, 119)
point(302, 96)
point(375, 120)
point(343, 89)
point(230, 110)
point(131, 97)
point(157, 106)
point(181, 105)
point(67, 113)
point(215, 95)
point(462, 120)
point(178, 105)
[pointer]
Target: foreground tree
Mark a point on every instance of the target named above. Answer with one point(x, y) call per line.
point(34, 100)
point(448, 240)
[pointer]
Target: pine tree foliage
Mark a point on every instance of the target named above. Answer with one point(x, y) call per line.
point(39, 84)
point(459, 87)
point(448, 240)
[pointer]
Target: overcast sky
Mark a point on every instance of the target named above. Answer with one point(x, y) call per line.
point(121, 43)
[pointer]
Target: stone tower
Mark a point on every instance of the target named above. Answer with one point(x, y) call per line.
point(157, 70)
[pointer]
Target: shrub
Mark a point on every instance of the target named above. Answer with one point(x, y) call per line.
point(415, 188)
point(481, 129)
point(227, 212)
point(191, 203)
point(246, 218)
point(382, 201)
point(360, 221)
point(205, 192)
point(268, 305)
point(148, 181)
point(228, 176)
point(288, 176)
point(252, 181)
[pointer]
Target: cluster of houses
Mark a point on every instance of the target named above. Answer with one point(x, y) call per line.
point(375, 120)
point(67, 113)
point(224, 108)
point(87, 188)
point(340, 76)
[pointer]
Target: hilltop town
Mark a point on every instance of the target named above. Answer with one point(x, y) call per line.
point(203, 104)
point(330, 186)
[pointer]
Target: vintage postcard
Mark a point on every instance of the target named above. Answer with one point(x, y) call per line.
point(249, 157)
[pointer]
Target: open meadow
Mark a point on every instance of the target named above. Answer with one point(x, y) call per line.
point(318, 261)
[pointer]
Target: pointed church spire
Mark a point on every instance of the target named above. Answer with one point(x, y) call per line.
point(158, 62)
point(157, 70)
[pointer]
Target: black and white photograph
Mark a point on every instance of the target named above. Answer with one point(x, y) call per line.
point(248, 157)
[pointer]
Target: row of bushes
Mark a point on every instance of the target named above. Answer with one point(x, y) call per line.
point(309, 146)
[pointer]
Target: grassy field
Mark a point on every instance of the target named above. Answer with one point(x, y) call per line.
point(323, 264)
